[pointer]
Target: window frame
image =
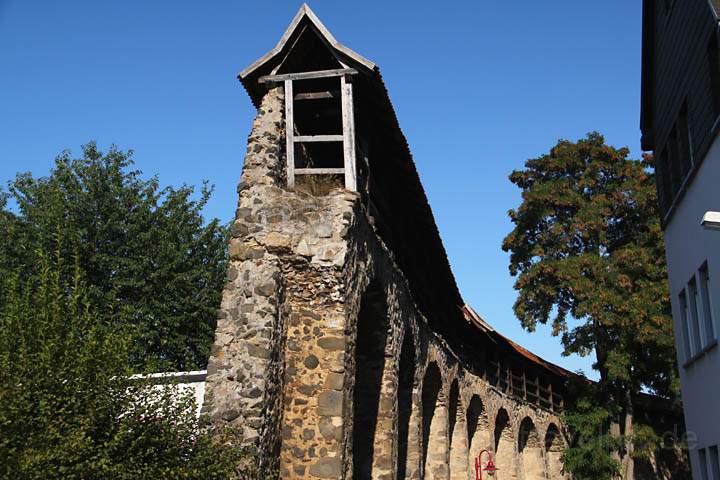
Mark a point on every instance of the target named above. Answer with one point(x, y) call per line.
point(703, 463)
point(685, 324)
point(714, 461)
point(692, 297)
point(708, 316)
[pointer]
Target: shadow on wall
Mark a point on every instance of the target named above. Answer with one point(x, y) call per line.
point(372, 334)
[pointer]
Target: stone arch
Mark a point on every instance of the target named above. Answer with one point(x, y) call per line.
point(478, 433)
point(434, 425)
point(554, 447)
point(370, 415)
point(457, 434)
point(530, 451)
point(407, 439)
point(504, 445)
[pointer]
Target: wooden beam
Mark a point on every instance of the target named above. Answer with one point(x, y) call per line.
point(348, 121)
point(317, 95)
point(319, 171)
point(339, 72)
point(289, 132)
point(289, 50)
point(318, 138)
point(508, 378)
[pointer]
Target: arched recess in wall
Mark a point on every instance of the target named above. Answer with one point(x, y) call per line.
point(504, 445)
point(457, 429)
point(434, 425)
point(478, 433)
point(554, 447)
point(372, 334)
point(530, 451)
point(406, 451)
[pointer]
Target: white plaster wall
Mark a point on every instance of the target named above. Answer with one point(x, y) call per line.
point(688, 245)
point(186, 381)
point(198, 387)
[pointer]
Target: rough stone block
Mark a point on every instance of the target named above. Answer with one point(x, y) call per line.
point(332, 343)
point(327, 467)
point(330, 403)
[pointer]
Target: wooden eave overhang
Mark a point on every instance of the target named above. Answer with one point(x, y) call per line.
point(476, 320)
point(647, 82)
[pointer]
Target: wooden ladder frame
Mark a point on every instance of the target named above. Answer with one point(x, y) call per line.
point(348, 124)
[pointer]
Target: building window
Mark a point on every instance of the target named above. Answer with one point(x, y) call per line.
point(706, 306)
point(685, 326)
point(676, 160)
point(698, 329)
point(664, 182)
point(714, 66)
point(694, 320)
point(702, 464)
point(714, 462)
point(684, 142)
point(676, 175)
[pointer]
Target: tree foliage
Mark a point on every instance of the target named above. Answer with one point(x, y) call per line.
point(143, 248)
point(69, 409)
point(589, 457)
point(588, 253)
point(587, 244)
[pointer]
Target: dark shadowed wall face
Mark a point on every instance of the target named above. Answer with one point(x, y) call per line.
point(372, 335)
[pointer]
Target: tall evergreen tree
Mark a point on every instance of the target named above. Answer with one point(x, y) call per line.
point(587, 245)
point(145, 249)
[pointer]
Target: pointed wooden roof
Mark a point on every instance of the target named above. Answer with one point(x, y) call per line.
point(305, 21)
point(306, 14)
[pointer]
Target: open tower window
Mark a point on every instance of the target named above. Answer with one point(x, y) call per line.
point(320, 126)
point(317, 75)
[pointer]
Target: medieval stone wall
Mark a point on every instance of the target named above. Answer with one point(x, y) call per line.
point(323, 360)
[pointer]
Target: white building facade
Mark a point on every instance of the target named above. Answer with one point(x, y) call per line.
point(680, 122)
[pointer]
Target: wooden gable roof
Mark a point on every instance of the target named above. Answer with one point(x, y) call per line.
point(305, 27)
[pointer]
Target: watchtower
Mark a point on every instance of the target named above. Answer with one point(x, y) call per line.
point(317, 74)
point(343, 347)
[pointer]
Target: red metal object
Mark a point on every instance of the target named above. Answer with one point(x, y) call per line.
point(489, 468)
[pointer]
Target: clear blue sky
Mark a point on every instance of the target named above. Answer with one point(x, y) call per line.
point(479, 87)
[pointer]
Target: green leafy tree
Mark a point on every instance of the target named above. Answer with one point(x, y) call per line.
point(145, 249)
point(589, 457)
point(69, 409)
point(587, 245)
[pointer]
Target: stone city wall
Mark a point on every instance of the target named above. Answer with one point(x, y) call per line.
point(322, 359)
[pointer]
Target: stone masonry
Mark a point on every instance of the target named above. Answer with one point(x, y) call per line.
point(283, 366)
point(343, 349)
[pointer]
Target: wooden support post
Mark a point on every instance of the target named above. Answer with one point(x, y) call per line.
point(552, 398)
point(483, 362)
point(348, 120)
point(289, 134)
point(508, 378)
point(524, 379)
